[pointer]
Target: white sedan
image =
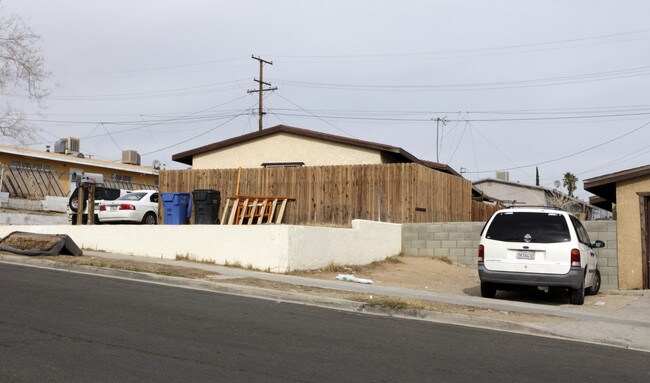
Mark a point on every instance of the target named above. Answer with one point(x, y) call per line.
point(140, 206)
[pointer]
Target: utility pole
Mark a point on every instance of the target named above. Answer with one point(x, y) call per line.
point(262, 83)
point(438, 121)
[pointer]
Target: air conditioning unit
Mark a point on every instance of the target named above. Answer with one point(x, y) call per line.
point(68, 145)
point(72, 145)
point(130, 157)
point(503, 176)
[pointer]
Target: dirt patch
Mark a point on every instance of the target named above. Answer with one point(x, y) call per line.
point(440, 275)
point(419, 273)
point(125, 264)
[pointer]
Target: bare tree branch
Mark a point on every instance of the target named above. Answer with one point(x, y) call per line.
point(22, 68)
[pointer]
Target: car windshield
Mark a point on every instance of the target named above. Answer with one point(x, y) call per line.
point(132, 197)
point(529, 227)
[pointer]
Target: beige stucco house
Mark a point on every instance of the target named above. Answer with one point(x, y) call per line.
point(284, 146)
point(628, 194)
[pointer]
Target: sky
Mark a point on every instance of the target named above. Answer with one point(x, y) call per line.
point(483, 86)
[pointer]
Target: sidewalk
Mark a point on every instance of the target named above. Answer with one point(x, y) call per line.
point(627, 327)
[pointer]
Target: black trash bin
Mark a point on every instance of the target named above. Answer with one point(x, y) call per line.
point(206, 206)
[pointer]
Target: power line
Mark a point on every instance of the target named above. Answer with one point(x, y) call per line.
point(470, 50)
point(197, 136)
point(527, 83)
point(313, 115)
point(567, 156)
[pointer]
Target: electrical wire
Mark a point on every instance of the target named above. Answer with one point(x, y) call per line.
point(313, 115)
point(570, 155)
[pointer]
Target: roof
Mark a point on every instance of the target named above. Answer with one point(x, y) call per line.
point(66, 158)
point(530, 187)
point(605, 186)
point(187, 156)
point(512, 183)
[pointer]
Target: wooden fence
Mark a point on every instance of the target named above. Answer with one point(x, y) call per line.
point(481, 212)
point(337, 194)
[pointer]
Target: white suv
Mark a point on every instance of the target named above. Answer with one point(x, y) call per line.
point(537, 247)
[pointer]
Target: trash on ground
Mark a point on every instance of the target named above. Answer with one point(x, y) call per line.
point(600, 303)
point(23, 243)
point(352, 278)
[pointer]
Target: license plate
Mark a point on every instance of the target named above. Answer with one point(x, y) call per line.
point(113, 208)
point(530, 255)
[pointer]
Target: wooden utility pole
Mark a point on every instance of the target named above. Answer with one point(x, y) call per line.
point(262, 83)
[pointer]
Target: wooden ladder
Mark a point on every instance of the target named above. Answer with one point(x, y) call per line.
point(249, 210)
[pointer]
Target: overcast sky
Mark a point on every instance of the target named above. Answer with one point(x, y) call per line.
point(558, 84)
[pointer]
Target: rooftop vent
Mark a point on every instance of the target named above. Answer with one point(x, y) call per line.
point(130, 157)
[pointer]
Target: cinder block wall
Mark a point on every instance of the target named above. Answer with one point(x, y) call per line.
point(458, 241)
point(607, 258)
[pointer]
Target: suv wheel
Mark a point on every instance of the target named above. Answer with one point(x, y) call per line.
point(595, 286)
point(488, 290)
point(577, 296)
point(73, 202)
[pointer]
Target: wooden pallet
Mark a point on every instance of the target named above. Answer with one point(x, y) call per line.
point(247, 210)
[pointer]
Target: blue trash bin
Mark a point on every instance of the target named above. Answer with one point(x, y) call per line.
point(178, 208)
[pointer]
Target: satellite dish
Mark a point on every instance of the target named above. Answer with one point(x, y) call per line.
point(156, 164)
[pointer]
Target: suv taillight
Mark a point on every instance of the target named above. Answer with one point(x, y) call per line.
point(575, 257)
point(481, 253)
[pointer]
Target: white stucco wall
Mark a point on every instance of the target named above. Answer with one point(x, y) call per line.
point(284, 147)
point(275, 248)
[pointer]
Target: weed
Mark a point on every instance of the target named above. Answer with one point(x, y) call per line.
point(446, 260)
point(392, 303)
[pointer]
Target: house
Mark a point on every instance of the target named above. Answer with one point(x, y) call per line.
point(333, 179)
point(28, 173)
point(517, 194)
point(286, 146)
point(627, 193)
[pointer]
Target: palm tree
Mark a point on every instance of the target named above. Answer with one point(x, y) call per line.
point(569, 182)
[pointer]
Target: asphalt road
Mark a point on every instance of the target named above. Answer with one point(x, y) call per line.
point(66, 327)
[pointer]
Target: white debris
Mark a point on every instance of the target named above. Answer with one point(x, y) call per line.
point(352, 278)
point(600, 303)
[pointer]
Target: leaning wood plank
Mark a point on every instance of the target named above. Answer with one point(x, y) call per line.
point(281, 212)
point(242, 214)
point(225, 211)
point(270, 217)
point(251, 212)
point(262, 211)
point(233, 212)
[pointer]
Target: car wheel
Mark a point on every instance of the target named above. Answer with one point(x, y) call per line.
point(488, 290)
point(577, 296)
point(595, 287)
point(150, 219)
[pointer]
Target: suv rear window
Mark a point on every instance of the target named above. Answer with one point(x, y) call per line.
point(529, 227)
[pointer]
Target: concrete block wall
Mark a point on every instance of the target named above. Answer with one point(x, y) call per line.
point(458, 241)
point(607, 259)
